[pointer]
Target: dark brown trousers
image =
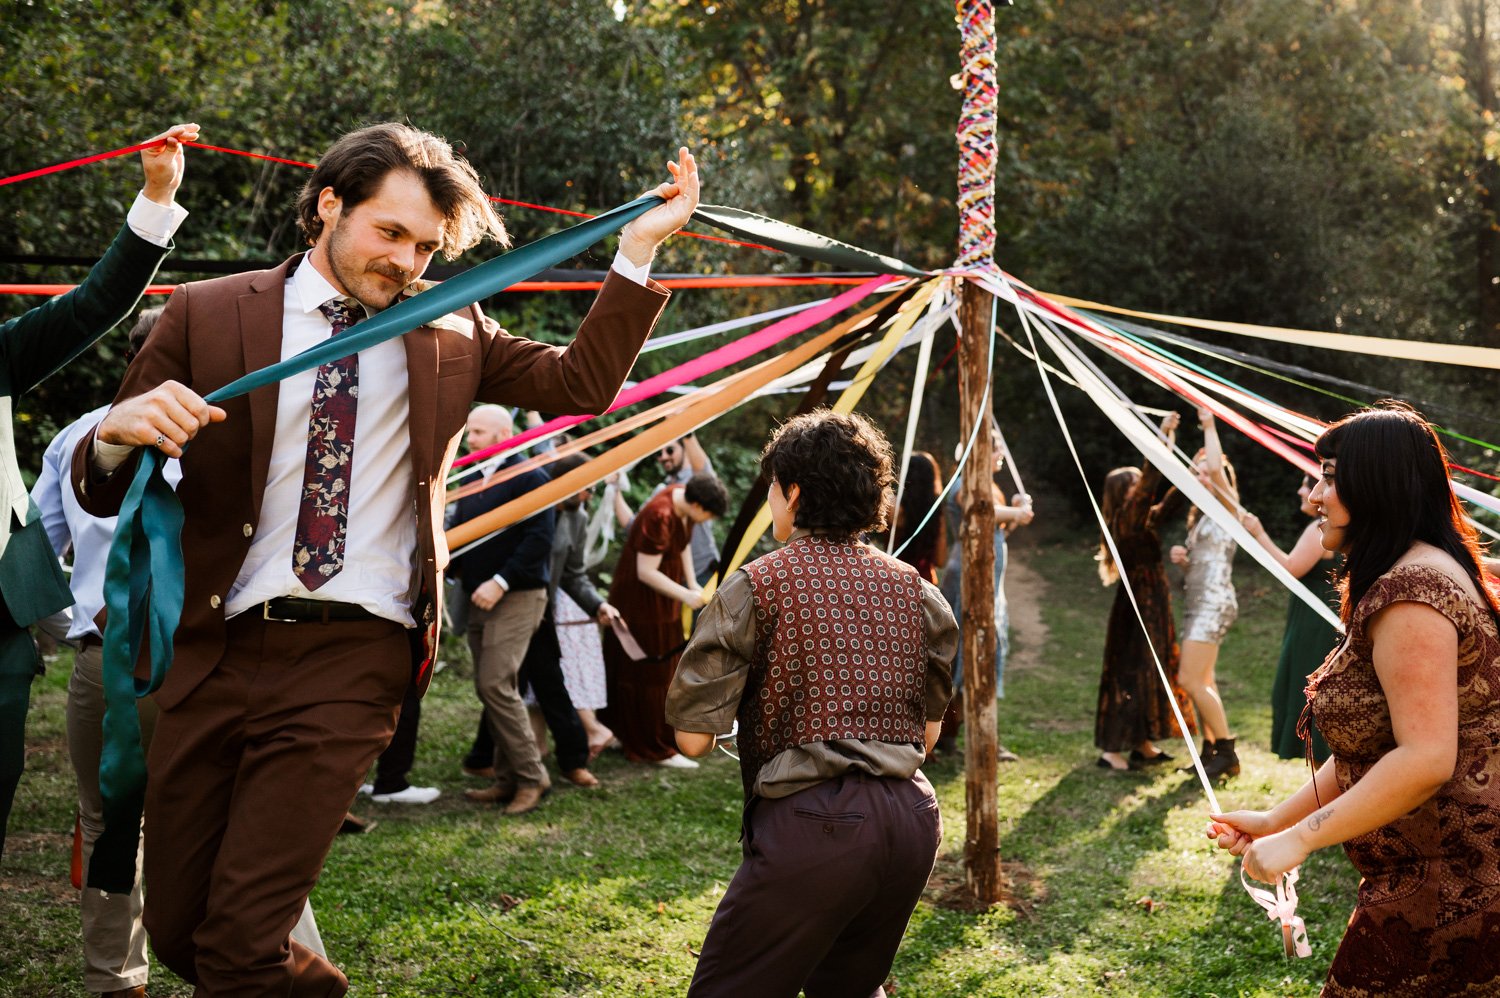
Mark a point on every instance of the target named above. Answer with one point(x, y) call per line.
point(249, 779)
point(830, 878)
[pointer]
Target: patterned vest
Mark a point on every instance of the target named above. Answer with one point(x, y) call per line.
point(840, 651)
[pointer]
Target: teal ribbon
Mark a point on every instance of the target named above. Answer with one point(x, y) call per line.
point(144, 574)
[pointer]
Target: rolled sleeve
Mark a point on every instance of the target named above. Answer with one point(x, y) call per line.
point(705, 693)
point(942, 646)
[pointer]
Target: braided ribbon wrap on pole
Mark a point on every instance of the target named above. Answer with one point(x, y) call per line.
point(976, 136)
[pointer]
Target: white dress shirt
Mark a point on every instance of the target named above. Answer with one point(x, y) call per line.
point(155, 223)
point(381, 531)
point(380, 539)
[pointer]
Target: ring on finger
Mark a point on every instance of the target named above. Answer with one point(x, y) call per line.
point(160, 439)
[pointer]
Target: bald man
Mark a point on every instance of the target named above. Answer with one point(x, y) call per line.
point(505, 582)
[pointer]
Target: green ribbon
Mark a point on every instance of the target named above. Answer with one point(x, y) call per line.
point(144, 574)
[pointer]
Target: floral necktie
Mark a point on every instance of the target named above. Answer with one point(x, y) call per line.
point(323, 520)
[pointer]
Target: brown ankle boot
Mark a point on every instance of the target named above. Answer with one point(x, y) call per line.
point(1224, 761)
point(1205, 755)
point(495, 793)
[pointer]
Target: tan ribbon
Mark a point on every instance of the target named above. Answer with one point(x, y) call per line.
point(1379, 346)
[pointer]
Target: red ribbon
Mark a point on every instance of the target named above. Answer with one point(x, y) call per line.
point(70, 164)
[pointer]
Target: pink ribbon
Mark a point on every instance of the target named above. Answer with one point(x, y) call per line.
point(1281, 907)
point(696, 368)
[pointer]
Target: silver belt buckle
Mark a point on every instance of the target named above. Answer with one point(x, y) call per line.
point(265, 612)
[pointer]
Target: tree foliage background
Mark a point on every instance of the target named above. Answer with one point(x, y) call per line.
point(1322, 164)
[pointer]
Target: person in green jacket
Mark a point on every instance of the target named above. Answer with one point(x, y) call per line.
point(33, 346)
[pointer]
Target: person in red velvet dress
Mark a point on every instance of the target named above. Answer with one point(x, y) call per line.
point(653, 580)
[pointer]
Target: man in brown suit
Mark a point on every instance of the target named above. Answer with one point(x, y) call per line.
point(314, 554)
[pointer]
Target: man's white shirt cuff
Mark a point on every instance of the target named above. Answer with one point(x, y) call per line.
point(155, 223)
point(107, 456)
point(625, 268)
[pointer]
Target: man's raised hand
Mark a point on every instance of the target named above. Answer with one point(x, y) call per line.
point(641, 237)
point(164, 164)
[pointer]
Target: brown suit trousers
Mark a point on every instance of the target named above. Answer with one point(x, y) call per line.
point(236, 804)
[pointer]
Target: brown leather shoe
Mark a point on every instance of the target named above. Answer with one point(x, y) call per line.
point(527, 799)
point(354, 825)
point(492, 794)
point(139, 991)
point(581, 777)
point(481, 772)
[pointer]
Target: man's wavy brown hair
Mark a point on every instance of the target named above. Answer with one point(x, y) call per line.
point(357, 164)
point(844, 468)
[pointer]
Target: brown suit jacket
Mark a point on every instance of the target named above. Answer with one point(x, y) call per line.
point(213, 332)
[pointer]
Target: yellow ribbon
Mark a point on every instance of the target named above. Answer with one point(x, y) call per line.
point(903, 322)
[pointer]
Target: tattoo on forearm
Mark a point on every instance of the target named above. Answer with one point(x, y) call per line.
point(1316, 821)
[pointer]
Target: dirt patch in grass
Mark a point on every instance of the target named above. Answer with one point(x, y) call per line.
point(1025, 589)
point(948, 888)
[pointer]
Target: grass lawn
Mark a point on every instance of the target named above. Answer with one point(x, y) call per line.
point(610, 892)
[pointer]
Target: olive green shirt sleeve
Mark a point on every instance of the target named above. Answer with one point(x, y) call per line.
point(705, 693)
point(942, 646)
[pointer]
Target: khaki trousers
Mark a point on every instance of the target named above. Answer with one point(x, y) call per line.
point(498, 638)
point(114, 940)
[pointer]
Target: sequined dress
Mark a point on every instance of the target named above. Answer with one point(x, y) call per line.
point(1427, 920)
point(1208, 590)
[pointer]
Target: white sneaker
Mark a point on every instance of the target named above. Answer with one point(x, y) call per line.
point(411, 795)
point(677, 762)
point(367, 788)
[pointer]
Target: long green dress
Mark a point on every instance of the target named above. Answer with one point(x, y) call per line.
point(1308, 640)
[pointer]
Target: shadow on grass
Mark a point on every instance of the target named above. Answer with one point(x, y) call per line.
point(1076, 844)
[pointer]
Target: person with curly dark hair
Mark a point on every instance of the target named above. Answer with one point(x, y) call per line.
point(834, 659)
point(1407, 705)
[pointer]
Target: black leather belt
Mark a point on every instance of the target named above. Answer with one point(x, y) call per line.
point(90, 641)
point(296, 610)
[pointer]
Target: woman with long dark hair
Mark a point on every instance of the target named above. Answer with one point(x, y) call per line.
point(1408, 706)
point(1134, 708)
point(923, 546)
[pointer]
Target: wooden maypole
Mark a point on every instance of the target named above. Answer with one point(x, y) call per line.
point(976, 206)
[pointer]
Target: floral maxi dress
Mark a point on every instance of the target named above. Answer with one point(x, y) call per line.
point(1427, 920)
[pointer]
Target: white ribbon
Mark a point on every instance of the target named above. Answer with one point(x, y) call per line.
point(1179, 475)
point(928, 333)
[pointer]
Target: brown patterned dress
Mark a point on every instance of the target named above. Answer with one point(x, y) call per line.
point(1133, 707)
point(1427, 921)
